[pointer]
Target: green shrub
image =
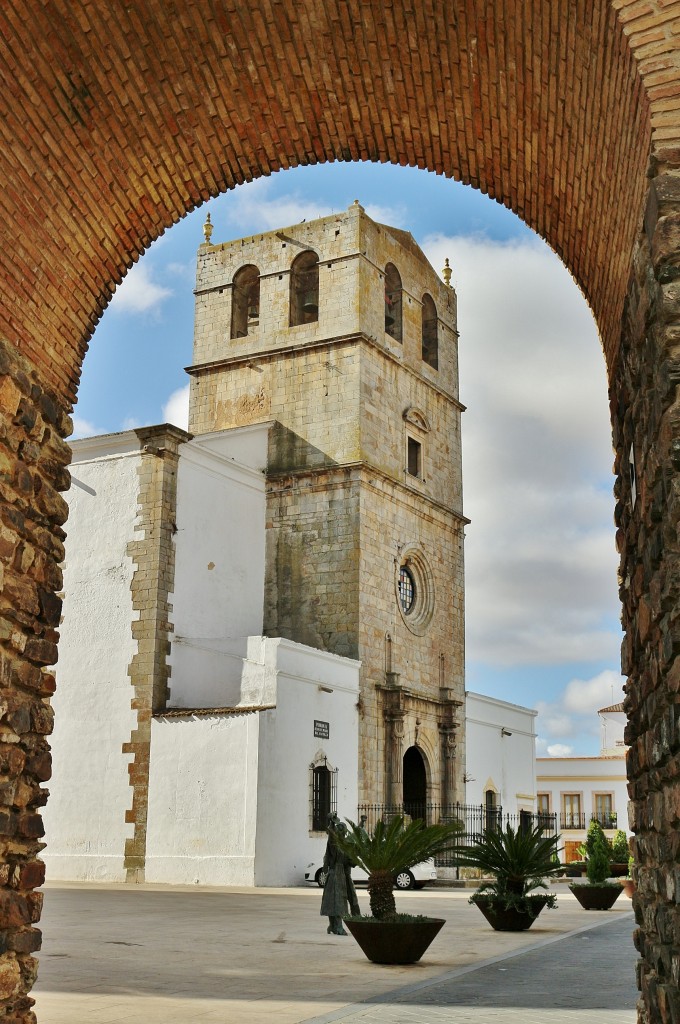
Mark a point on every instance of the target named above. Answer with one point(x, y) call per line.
point(595, 833)
point(598, 866)
point(620, 849)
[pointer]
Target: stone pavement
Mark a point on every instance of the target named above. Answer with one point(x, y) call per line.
point(583, 978)
point(154, 955)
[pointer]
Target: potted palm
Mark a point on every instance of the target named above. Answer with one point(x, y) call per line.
point(518, 861)
point(597, 893)
point(385, 936)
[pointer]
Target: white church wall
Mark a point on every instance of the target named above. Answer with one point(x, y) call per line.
point(500, 753)
point(219, 564)
point(229, 794)
point(203, 800)
point(85, 816)
point(288, 746)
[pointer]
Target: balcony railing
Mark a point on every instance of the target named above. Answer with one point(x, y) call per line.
point(579, 820)
point(606, 818)
point(572, 820)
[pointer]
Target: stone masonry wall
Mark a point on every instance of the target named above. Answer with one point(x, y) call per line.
point(313, 393)
point(646, 422)
point(312, 560)
point(389, 390)
point(33, 461)
point(394, 520)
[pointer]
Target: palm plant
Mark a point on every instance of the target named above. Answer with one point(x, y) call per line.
point(518, 860)
point(393, 847)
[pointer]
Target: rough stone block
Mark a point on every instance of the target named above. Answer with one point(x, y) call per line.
point(28, 875)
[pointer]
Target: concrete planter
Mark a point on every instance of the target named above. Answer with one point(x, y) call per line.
point(394, 942)
point(510, 919)
point(596, 897)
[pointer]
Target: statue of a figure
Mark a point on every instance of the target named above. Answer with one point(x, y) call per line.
point(339, 892)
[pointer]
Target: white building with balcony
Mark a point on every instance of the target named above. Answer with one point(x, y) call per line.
point(579, 789)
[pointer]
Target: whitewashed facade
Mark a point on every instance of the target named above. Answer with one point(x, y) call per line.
point(231, 755)
point(500, 762)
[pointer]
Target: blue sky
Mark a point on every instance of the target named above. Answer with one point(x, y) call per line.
point(542, 604)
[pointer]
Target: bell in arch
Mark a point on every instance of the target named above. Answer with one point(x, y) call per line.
point(310, 303)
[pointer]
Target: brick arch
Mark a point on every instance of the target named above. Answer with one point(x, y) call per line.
point(121, 118)
point(118, 119)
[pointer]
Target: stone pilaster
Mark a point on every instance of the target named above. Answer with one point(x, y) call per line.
point(33, 461)
point(394, 714)
point(646, 424)
point(448, 728)
point(153, 581)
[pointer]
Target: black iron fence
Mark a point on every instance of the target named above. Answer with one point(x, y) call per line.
point(473, 817)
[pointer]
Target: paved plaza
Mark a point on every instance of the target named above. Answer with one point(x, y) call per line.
point(155, 955)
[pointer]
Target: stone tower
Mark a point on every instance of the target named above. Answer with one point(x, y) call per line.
point(340, 333)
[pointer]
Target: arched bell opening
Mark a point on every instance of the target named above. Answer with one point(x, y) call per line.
point(304, 289)
point(245, 301)
point(430, 340)
point(393, 302)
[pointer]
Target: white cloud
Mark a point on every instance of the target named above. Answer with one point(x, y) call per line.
point(176, 409)
point(138, 292)
point(250, 208)
point(540, 557)
point(83, 428)
point(572, 715)
point(395, 216)
point(559, 750)
point(186, 272)
point(587, 696)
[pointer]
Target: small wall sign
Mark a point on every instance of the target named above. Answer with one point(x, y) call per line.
point(321, 730)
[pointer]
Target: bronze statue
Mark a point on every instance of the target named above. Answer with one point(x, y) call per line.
point(339, 893)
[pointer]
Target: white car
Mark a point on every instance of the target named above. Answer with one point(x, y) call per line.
point(410, 878)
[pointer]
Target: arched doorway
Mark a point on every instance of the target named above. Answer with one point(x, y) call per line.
point(414, 783)
point(572, 124)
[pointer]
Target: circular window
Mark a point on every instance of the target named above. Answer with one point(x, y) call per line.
point(414, 585)
point(407, 589)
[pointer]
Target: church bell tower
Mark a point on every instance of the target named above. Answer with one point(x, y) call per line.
point(340, 333)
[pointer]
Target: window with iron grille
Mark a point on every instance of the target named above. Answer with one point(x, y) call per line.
point(324, 794)
point(407, 589)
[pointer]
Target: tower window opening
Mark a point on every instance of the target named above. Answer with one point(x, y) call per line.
point(393, 302)
point(413, 460)
point(245, 301)
point(430, 339)
point(304, 289)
